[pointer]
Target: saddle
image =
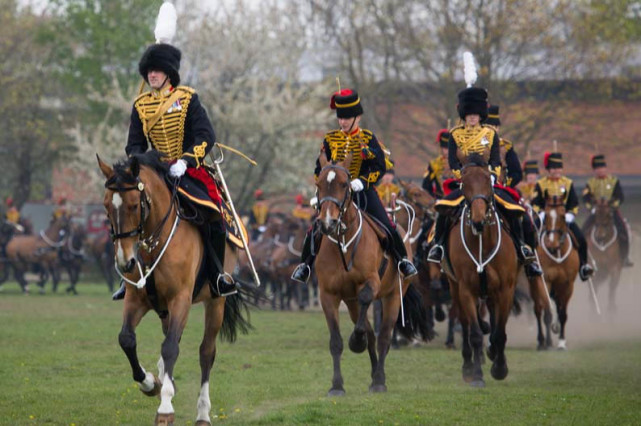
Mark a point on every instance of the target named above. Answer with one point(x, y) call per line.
point(383, 235)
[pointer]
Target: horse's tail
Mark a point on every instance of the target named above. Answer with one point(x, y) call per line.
point(235, 317)
point(416, 322)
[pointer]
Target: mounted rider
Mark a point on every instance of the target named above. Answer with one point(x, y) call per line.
point(605, 186)
point(557, 184)
point(258, 215)
point(386, 187)
point(473, 137)
point(438, 170)
point(367, 167)
point(528, 186)
point(511, 172)
point(170, 119)
point(302, 211)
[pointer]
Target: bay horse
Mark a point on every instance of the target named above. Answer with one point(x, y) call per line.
point(71, 256)
point(603, 243)
point(26, 252)
point(147, 229)
point(559, 259)
point(481, 265)
point(347, 266)
point(102, 250)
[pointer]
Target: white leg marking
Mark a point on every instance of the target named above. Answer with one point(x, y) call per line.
point(204, 404)
point(330, 176)
point(562, 344)
point(161, 367)
point(148, 383)
point(166, 394)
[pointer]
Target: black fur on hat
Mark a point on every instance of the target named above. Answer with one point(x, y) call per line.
point(598, 161)
point(531, 166)
point(347, 103)
point(553, 160)
point(472, 100)
point(493, 118)
point(161, 57)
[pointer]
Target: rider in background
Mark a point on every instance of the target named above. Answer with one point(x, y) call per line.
point(511, 172)
point(301, 210)
point(258, 215)
point(62, 209)
point(386, 187)
point(12, 215)
point(528, 186)
point(367, 167)
point(557, 184)
point(438, 170)
point(473, 137)
point(604, 186)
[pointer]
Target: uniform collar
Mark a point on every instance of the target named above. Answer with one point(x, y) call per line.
point(353, 132)
point(163, 93)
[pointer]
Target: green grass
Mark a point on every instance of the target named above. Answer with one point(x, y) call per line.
point(60, 364)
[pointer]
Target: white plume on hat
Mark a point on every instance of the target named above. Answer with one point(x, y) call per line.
point(166, 23)
point(469, 69)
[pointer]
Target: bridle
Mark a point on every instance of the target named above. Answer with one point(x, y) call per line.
point(489, 202)
point(145, 207)
point(341, 204)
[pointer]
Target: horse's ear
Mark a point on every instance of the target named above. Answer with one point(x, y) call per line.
point(134, 164)
point(402, 183)
point(104, 167)
point(322, 159)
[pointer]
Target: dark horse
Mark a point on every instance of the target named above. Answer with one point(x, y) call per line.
point(481, 265)
point(147, 230)
point(352, 267)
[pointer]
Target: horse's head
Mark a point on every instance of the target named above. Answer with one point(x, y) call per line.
point(334, 193)
point(476, 184)
point(554, 228)
point(420, 199)
point(603, 213)
point(128, 203)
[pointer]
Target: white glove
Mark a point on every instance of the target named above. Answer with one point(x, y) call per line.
point(493, 177)
point(542, 216)
point(178, 168)
point(569, 217)
point(313, 201)
point(357, 185)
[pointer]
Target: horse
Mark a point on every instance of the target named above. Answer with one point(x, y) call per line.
point(147, 228)
point(102, 251)
point(38, 252)
point(348, 263)
point(71, 256)
point(481, 265)
point(604, 246)
point(559, 259)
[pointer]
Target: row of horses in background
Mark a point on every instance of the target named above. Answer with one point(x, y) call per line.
point(61, 248)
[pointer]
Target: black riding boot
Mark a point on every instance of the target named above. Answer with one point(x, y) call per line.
point(303, 270)
point(225, 284)
point(524, 251)
point(585, 270)
point(120, 293)
point(624, 240)
point(437, 251)
point(406, 267)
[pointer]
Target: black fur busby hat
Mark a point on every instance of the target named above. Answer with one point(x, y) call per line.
point(531, 166)
point(347, 103)
point(443, 138)
point(598, 161)
point(553, 160)
point(493, 118)
point(161, 57)
point(472, 100)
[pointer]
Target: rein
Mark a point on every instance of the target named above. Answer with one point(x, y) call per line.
point(480, 263)
point(53, 244)
point(604, 247)
point(557, 259)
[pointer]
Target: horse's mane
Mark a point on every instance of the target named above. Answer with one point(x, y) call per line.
point(476, 159)
point(123, 169)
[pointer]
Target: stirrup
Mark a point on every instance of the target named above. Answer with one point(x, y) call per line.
point(586, 271)
point(436, 254)
point(527, 253)
point(301, 273)
point(533, 269)
point(407, 268)
point(225, 285)
point(120, 293)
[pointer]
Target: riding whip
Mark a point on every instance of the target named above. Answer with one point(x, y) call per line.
point(217, 162)
point(594, 298)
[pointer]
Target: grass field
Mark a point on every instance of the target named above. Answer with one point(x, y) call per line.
point(60, 364)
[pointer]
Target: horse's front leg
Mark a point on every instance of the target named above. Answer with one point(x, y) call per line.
point(358, 338)
point(134, 310)
point(214, 311)
point(330, 304)
point(391, 305)
point(178, 308)
point(542, 308)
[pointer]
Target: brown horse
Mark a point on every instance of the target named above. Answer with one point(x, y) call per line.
point(71, 256)
point(603, 243)
point(481, 265)
point(101, 249)
point(25, 252)
point(347, 266)
point(559, 259)
point(147, 230)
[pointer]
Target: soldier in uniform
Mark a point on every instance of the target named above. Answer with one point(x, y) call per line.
point(258, 215)
point(438, 169)
point(604, 186)
point(473, 137)
point(386, 187)
point(557, 184)
point(62, 209)
point(170, 119)
point(511, 172)
point(527, 187)
point(302, 211)
point(367, 167)
point(12, 215)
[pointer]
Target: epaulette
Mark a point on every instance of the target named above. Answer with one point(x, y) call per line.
point(332, 132)
point(505, 143)
point(186, 89)
point(142, 95)
point(368, 132)
point(459, 126)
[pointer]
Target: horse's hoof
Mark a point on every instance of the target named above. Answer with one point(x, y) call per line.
point(468, 374)
point(202, 423)
point(439, 315)
point(450, 345)
point(377, 388)
point(336, 392)
point(164, 419)
point(478, 383)
point(357, 344)
point(541, 347)
point(562, 346)
point(155, 391)
point(499, 372)
point(555, 327)
point(485, 327)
